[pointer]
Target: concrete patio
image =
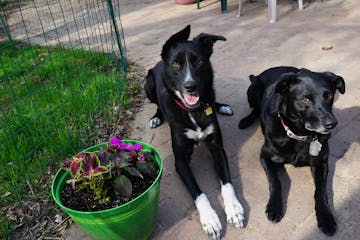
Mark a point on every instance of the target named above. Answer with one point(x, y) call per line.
point(253, 45)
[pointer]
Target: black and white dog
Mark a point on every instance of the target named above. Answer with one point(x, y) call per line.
point(181, 84)
point(295, 108)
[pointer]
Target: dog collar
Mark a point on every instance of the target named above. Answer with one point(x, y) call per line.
point(181, 106)
point(290, 133)
point(207, 109)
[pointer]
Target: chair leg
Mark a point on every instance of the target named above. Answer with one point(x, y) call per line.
point(198, 4)
point(301, 6)
point(223, 6)
point(241, 11)
point(272, 10)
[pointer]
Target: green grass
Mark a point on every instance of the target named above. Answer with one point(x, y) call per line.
point(50, 99)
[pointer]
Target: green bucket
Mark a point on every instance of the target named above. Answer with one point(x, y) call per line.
point(134, 220)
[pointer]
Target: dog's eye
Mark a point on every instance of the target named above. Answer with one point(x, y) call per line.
point(329, 97)
point(306, 100)
point(175, 65)
point(199, 62)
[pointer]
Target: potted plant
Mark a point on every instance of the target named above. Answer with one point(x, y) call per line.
point(111, 190)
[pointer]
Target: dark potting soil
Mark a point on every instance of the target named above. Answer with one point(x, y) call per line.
point(83, 199)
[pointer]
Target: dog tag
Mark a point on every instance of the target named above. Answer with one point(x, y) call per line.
point(315, 148)
point(208, 111)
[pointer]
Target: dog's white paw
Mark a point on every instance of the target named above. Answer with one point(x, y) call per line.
point(226, 110)
point(233, 209)
point(154, 122)
point(208, 218)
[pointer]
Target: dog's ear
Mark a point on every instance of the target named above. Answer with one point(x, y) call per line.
point(274, 103)
point(281, 89)
point(180, 36)
point(285, 82)
point(208, 40)
point(337, 81)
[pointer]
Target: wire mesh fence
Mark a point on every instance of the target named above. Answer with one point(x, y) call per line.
point(62, 75)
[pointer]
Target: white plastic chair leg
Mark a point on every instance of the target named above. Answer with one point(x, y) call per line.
point(301, 6)
point(272, 10)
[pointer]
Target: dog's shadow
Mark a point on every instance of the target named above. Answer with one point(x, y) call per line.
point(344, 136)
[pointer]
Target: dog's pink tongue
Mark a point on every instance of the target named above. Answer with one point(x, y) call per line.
point(191, 99)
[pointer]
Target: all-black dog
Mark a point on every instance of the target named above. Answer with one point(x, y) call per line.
point(181, 84)
point(295, 108)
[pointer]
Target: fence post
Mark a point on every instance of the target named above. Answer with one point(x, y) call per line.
point(121, 49)
point(6, 29)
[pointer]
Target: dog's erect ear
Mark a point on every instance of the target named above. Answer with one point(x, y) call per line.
point(208, 40)
point(285, 82)
point(181, 36)
point(338, 81)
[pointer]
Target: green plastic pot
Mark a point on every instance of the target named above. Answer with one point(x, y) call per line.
point(134, 220)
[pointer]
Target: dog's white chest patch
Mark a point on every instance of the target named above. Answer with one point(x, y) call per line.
point(198, 134)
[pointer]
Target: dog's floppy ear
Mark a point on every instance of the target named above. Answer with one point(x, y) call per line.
point(180, 36)
point(281, 89)
point(285, 82)
point(208, 40)
point(338, 81)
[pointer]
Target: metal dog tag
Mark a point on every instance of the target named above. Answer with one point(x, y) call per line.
point(315, 148)
point(208, 111)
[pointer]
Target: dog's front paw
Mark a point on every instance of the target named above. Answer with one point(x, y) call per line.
point(154, 122)
point(226, 110)
point(208, 218)
point(233, 209)
point(326, 222)
point(274, 210)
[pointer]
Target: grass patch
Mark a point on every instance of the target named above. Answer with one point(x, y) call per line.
point(51, 100)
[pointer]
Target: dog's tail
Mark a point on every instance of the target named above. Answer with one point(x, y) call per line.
point(150, 87)
point(255, 94)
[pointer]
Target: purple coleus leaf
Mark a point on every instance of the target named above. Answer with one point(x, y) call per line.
point(75, 167)
point(92, 167)
point(67, 163)
point(80, 155)
point(74, 164)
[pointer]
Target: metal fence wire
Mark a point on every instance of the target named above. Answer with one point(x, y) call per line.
point(62, 74)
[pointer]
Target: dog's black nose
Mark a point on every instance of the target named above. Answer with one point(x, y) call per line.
point(330, 123)
point(190, 86)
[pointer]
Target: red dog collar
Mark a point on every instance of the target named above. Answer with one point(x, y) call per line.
point(207, 109)
point(181, 106)
point(290, 133)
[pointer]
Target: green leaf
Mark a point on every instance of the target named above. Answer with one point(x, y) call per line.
point(133, 171)
point(123, 186)
point(125, 164)
point(146, 168)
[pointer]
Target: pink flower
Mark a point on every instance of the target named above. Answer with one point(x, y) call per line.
point(116, 142)
point(123, 146)
point(141, 158)
point(134, 148)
